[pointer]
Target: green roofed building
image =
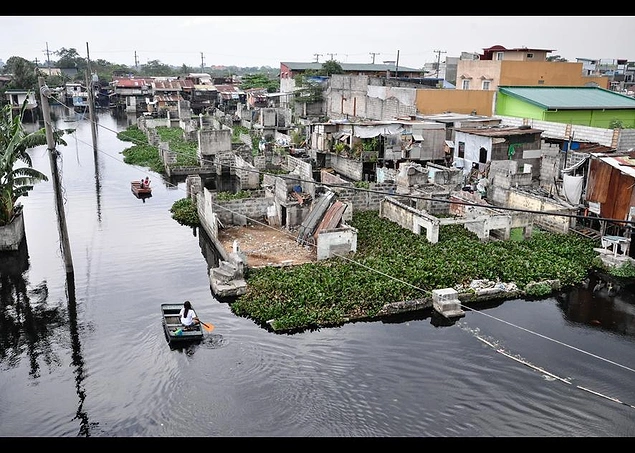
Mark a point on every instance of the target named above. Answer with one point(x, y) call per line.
point(585, 106)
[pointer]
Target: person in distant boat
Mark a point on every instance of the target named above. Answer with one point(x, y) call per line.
point(188, 316)
point(146, 182)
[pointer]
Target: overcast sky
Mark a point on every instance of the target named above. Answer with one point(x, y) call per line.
point(268, 40)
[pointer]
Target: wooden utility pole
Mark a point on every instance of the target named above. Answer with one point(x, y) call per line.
point(59, 205)
point(91, 101)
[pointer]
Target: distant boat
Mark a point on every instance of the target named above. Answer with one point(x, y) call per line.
point(136, 188)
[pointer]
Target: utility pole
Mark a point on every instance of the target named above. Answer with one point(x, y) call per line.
point(331, 54)
point(136, 60)
point(202, 64)
point(439, 52)
point(373, 54)
point(59, 205)
point(317, 57)
point(91, 100)
point(48, 57)
point(397, 65)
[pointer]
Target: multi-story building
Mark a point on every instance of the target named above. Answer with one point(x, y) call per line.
point(521, 67)
point(620, 73)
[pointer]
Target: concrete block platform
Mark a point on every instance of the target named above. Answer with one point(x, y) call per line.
point(446, 302)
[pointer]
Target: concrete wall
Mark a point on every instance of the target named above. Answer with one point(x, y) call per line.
point(305, 172)
point(410, 218)
point(239, 212)
point(12, 234)
point(620, 139)
point(550, 166)
point(546, 73)
point(528, 201)
point(212, 142)
point(362, 200)
point(360, 97)
point(352, 169)
point(247, 174)
point(336, 242)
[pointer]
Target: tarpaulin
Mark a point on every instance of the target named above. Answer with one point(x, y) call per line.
point(572, 187)
point(374, 131)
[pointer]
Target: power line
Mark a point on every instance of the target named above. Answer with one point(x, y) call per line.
point(439, 52)
point(421, 289)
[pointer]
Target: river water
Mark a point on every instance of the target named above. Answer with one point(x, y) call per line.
point(87, 356)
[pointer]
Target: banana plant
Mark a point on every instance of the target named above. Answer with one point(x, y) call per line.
point(17, 181)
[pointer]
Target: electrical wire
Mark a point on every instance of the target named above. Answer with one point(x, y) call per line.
point(424, 291)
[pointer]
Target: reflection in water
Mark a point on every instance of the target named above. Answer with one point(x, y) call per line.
point(208, 249)
point(598, 308)
point(97, 181)
point(78, 360)
point(404, 376)
point(27, 322)
point(29, 325)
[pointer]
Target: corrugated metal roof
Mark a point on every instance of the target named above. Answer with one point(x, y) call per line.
point(623, 164)
point(128, 82)
point(229, 89)
point(167, 85)
point(499, 131)
point(570, 98)
point(348, 67)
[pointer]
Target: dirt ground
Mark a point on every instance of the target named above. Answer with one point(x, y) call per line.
point(266, 245)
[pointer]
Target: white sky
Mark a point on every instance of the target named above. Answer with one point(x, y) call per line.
point(268, 40)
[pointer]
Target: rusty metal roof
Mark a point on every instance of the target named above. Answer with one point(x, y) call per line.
point(205, 87)
point(167, 97)
point(167, 85)
point(130, 82)
point(229, 89)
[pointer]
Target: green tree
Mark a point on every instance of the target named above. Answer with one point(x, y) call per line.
point(331, 67)
point(23, 74)
point(69, 58)
point(260, 80)
point(157, 69)
point(17, 181)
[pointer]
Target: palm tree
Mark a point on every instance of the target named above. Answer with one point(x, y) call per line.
point(17, 181)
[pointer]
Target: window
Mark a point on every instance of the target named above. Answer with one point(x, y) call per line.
point(530, 56)
point(461, 150)
point(499, 56)
point(466, 84)
point(482, 155)
point(486, 84)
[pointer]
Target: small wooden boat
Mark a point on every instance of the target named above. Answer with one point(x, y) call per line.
point(174, 330)
point(138, 190)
